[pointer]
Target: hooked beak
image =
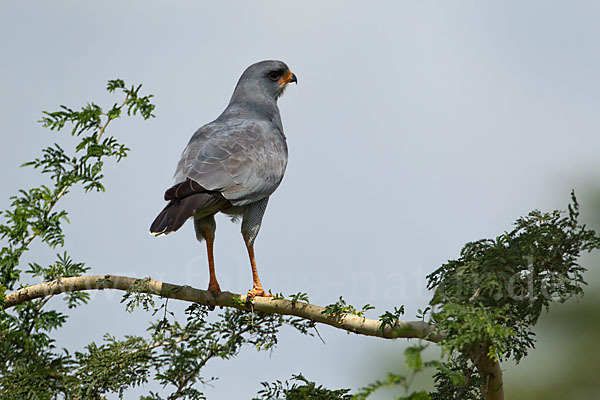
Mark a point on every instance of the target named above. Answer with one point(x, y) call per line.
point(290, 77)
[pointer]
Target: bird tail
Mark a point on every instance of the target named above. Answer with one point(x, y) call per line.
point(174, 215)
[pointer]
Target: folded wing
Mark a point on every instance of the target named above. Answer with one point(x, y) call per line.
point(243, 160)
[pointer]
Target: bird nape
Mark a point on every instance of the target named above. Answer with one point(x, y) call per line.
point(232, 165)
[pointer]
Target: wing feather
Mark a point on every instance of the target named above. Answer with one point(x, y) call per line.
point(244, 160)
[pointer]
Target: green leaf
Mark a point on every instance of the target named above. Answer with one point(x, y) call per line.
point(413, 358)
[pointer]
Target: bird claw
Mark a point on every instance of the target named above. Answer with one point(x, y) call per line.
point(214, 290)
point(258, 291)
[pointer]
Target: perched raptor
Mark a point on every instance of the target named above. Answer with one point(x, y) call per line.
point(232, 165)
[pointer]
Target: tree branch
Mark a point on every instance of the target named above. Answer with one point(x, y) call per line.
point(492, 390)
point(348, 322)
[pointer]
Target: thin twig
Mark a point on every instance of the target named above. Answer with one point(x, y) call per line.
point(103, 128)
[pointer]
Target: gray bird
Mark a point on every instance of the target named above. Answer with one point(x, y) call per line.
point(232, 165)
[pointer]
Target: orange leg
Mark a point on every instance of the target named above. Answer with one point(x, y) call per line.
point(213, 285)
point(257, 289)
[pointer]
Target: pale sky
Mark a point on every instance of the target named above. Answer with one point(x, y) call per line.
point(414, 128)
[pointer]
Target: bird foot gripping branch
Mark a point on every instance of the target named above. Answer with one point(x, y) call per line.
point(232, 165)
point(257, 292)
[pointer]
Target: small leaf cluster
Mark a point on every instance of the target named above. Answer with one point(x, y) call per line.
point(112, 367)
point(140, 294)
point(340, 307)
point(413, 360)
point(300, 296)
point(391, 318)
point(456, 379)
point(293, 298)
point(390, 381)
point(300, 389)
point(91, 116)
point(63, 267)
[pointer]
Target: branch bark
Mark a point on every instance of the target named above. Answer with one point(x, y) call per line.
point(348, 322)
point(493, 389)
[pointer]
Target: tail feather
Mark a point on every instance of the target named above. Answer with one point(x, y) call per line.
point(174, 215)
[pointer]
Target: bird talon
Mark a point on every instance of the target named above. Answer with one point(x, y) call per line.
point(258, 292)
point(214, 290)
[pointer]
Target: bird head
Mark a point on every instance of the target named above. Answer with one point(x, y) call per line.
point(267, 79)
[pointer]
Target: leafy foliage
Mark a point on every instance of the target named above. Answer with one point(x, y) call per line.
point(456, 379)
point(391, 318)
point(139, 295)
point(390, 381)
point(303, 390)
point(340, 307)
point(33, 368)
point(306, 389)
point(112, 367)
point(300, 296)
point(32, 211)
point(175, 354)
point(495, 292)
point(488, 301)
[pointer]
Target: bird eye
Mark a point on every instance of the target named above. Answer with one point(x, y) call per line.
point(274, 75)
